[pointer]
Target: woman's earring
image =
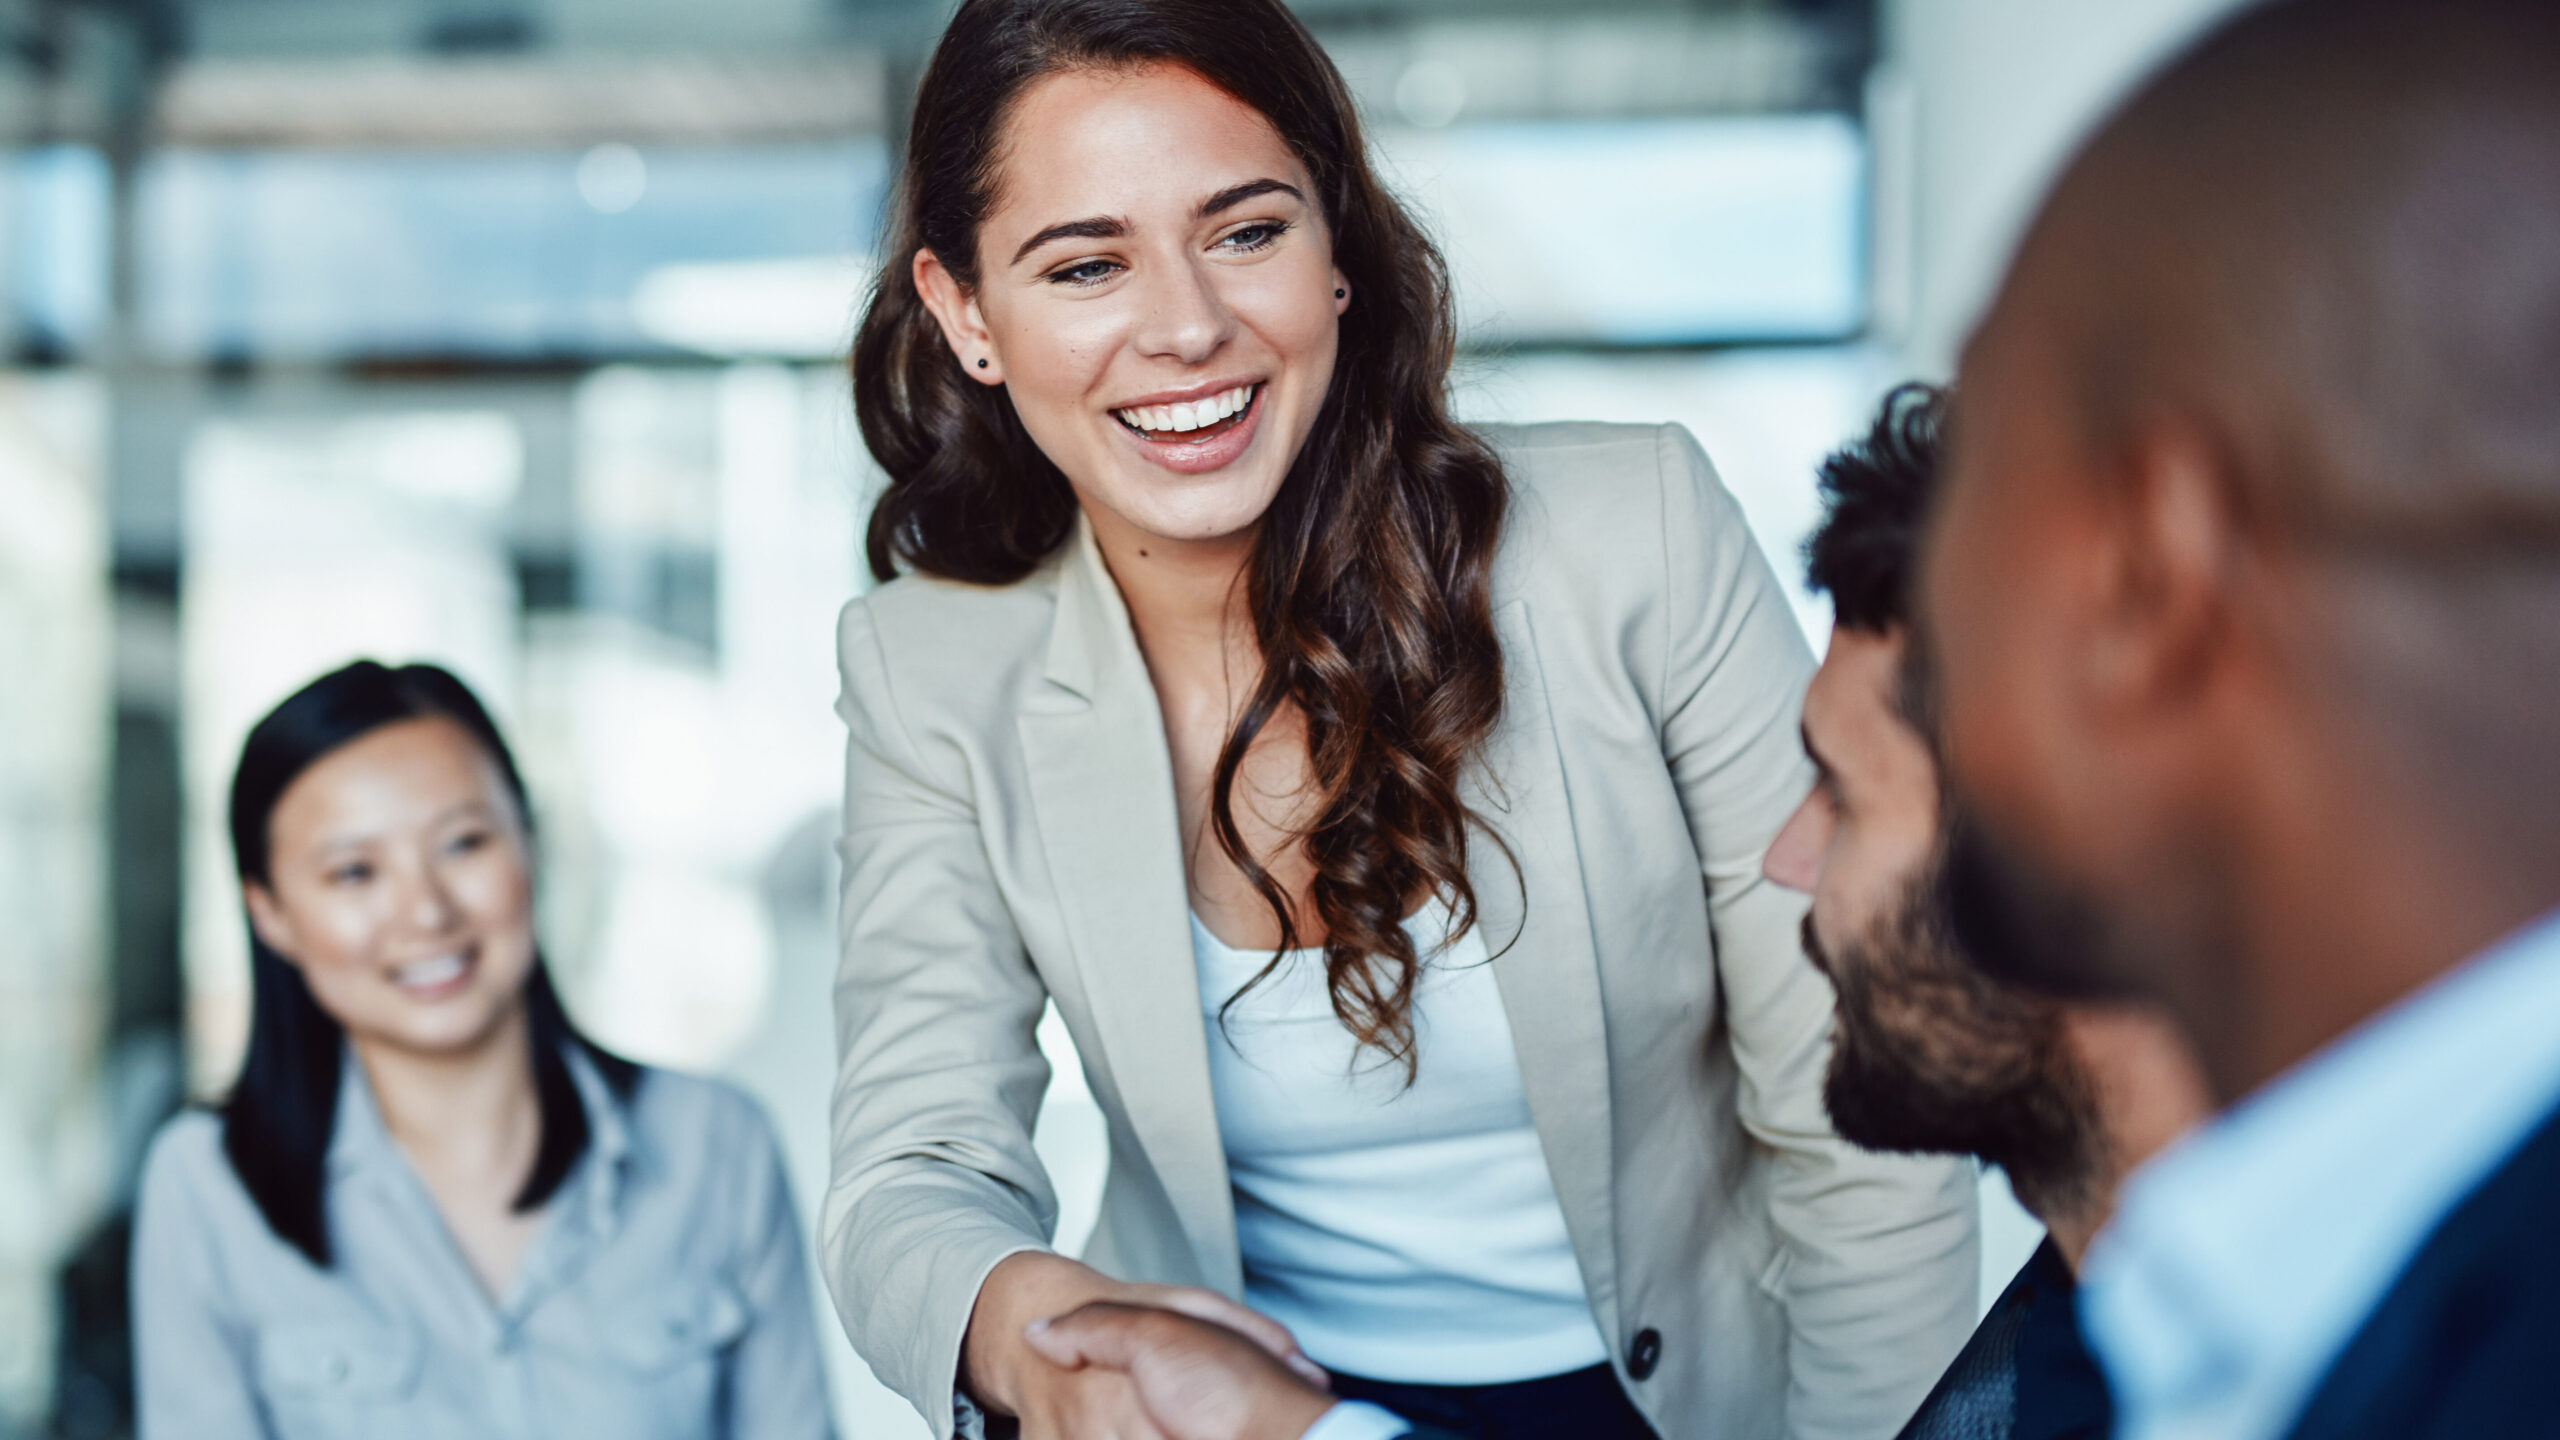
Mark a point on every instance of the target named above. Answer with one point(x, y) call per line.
point(982, 362)
point(1341, 294)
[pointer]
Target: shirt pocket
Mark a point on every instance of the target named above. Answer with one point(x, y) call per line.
point(675, 1326)
point(661, 1360)
point(343, 1379)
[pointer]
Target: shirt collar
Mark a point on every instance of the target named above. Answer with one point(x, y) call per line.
point(357, 1137)
point(359, 1140)
point(2242, 1259)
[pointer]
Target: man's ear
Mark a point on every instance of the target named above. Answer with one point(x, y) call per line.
point(267, 919)
point(964, 329)
point(2179, 545)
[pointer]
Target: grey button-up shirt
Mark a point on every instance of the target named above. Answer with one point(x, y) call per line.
point(665, 1297)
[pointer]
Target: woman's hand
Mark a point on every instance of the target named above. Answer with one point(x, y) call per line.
point(1004, 1373)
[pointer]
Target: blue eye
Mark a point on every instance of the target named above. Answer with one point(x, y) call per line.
point(1257, 236)
point(1091, 272)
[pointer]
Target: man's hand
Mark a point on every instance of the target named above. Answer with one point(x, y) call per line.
point(1197, 1379)
point(1004, 1373)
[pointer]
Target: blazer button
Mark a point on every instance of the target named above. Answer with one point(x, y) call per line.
point(1644, 1354)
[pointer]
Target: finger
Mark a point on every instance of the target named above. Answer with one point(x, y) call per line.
point(1255, 1326)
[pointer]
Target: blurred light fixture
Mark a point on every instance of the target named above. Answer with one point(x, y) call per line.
point(299, 254)
point(1430, 93)
point(797, 309)
point(521, 100)
point(612, 177)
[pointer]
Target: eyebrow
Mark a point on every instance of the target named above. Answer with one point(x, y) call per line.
point(1098, 228)
point(1235, 195)
point(1104, 227)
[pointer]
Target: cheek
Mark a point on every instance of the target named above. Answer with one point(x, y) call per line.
point(1055, 353)
point(334, 931)
point(1290, 306)
point(1862, 876)
point(496, 891)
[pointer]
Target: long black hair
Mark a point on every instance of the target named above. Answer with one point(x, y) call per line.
point(278, 1121)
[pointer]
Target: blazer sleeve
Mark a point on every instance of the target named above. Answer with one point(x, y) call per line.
point(1882, 1271)
point(933, 1179)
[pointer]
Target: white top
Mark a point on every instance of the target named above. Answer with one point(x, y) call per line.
point(2242, 1260)
point(1401, 1234)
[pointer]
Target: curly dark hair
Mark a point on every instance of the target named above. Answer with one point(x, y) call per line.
point(1370, 584)
point(1875, 495)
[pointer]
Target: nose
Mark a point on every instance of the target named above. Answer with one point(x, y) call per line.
point(431, 906)
point(1794, 858)
point(1182, 317)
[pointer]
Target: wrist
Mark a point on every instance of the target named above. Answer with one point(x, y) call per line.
point(1031, 1285)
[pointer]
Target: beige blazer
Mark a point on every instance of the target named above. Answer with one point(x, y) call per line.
point(1010, 839)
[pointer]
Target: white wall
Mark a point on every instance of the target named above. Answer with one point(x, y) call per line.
point(2001, 92)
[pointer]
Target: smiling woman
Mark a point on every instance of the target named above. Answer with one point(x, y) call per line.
point(1379, 801)
point(422, 1154)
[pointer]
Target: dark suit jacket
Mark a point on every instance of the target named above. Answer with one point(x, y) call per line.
point(2467, 1342)
point(2026, 1374)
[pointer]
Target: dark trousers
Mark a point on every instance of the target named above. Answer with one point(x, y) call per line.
point(1584, 1405)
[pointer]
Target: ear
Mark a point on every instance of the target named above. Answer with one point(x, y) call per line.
point(1341, 292)
point(964, 328)
point(2179, 544)
point(268, 919)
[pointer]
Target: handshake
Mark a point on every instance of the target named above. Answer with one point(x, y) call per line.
point(1195, 1378)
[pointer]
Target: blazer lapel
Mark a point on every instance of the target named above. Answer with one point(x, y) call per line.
point(1102, 793)
point(1545, 963)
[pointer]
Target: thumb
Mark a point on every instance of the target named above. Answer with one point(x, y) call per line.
point(1096, 1334)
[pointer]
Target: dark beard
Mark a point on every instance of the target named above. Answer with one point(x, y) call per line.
point(1934, 1057)
point(2024, 928)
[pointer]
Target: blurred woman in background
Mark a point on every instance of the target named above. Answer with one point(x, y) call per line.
point(1380, 801)
point(431, 1207)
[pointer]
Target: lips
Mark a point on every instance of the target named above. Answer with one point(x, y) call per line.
point(1181, 417)
point(1195, 437)
point(437, 976)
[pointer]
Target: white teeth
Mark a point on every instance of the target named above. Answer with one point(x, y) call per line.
point(1196, 415)
point(428, 974)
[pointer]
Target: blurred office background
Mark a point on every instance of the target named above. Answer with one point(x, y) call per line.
point(505, 333)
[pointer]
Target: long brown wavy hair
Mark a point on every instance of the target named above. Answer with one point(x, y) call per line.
point(1370, 582)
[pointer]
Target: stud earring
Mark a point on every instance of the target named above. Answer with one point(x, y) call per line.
point(982, 362)
point(1339, 294)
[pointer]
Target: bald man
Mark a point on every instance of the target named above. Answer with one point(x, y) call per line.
point(2244, 597)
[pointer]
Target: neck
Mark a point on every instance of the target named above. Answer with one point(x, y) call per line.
point(2145, 1092)
point(2075, 1207)
point(472, 1110)
point(1185, 597)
